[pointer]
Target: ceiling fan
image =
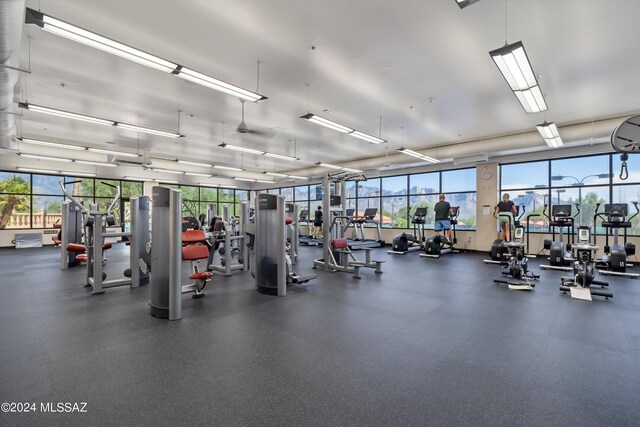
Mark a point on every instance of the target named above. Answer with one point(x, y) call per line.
point(243, 128)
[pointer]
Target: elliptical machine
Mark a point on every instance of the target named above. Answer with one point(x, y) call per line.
point(614, 218)
point(406, 242)
point(518, 264)
point(584, 271)
point(435, 246)
point(560, 256)
point(500, 253)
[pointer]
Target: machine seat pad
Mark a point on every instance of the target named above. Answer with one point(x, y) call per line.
point(56, 241)
point(340, 243)
point(193, 236)
point(81, 257)
point(195, 252)
point(106, 246)
point(288, 220)
point(76, 247)
point(203, 275)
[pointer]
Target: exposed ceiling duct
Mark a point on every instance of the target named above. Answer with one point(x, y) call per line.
point(590, 133)
point(11, 22)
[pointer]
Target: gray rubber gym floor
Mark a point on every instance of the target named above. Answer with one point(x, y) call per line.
point(429, 342)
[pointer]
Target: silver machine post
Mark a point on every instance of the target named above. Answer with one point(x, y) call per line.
point(166, 257)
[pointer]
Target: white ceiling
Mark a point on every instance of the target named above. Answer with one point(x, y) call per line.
point(421, 65)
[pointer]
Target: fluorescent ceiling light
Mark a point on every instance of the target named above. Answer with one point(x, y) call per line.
point(135, 178)
point(149, 130)
point(91, 162)
point(281, 156)
point(197, 174)
point(352, 170)
point(206, 184)
point(313, 118)
point(190, 163)
point(513, 63)
point(88, 38)
point(265, 181)
point(367, 137)
point(227, 168)
point(464, 3)
point(114, 152)
point(276, 174)
point(204, 80)
point(298, 177)
point(166, 181)
point(66, 114)
point(51, 144)
point(329, 165)
point(244, 179)
point(418, 155)
point(97, 120)
point(550, 134)
point(36, 170)
point(69, 173)
point(39, 157)
point(64, 29)
point(243, 149)
point(167, 171)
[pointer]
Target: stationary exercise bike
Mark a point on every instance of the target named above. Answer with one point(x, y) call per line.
point(518, 264)
point(581, 283)
point(406, 242)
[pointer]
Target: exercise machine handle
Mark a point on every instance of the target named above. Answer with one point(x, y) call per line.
point(577, 210)
point(635, 205)
point(545, 213)
point(73, 199)
point(72, 182)
point(110, 185)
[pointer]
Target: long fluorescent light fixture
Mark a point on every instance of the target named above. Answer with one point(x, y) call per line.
point(91, 162)
point(513, 63)
point(114, 152)
point(367, 137)
point(418, 155)
point(39, 157)
point(136, 178)
point(67, 173)
point(91, 119)
point(227, 168)
point(51, 144)
point(244, 179)
point(207, 184)
point(464, 3)
point(264, 181)
point(281, 156)
point(190, 163)
point(329, 166)
point(549, 132)
point(243, 149)
point(352, 170)
point(167, 171)
point(282, 175)
point(64, 29)
point(198, 174)
point(298, 177)
point(314, 118)
point(76, 147)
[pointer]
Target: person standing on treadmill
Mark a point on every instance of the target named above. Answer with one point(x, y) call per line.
point(442, 222)
point(317, 223)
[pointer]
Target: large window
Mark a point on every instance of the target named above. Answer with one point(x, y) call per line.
point(583, 182)
point(34, 200)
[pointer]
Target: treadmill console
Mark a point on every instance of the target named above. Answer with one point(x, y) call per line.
point(454, 211)
point(304, 214)
point(370, 213)
point(583, 235)
point(350, 212)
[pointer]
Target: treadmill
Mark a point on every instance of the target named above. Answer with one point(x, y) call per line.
point(359, 223)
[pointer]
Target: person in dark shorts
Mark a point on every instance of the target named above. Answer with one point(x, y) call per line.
point(505, 211)
point(317, 223)
point(442, 221)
